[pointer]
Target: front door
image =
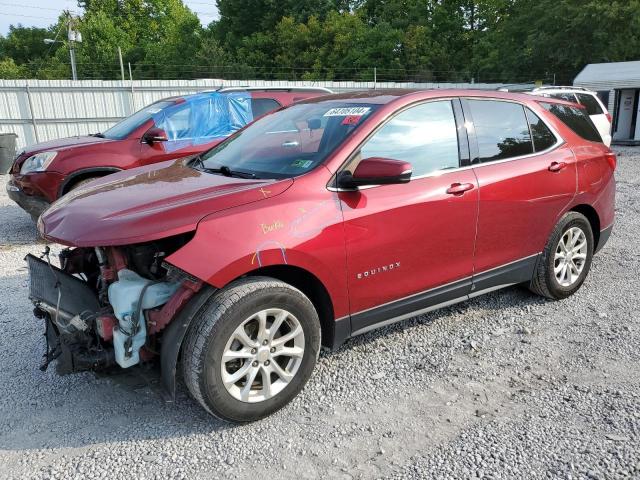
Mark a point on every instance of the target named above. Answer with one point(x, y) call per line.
point(185, 125)
point(410, 246)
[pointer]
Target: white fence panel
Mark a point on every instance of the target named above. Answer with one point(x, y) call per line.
point(41, 110)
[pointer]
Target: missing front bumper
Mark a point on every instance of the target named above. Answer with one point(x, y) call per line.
point(68, 307)
point(54, 290)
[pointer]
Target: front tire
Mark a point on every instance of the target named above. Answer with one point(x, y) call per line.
point(81, 183)
point(566, 259)
point(251, 349)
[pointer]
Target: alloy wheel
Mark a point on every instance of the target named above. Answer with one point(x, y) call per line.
point(570, 256)
point(262, 355)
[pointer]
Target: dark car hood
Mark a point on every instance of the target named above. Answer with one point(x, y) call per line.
point(147, 203)
point(64, 144)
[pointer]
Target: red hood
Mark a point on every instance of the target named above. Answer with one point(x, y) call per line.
point(64, 143)
point(147, 203)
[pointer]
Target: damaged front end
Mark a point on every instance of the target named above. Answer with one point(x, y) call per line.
point(106, 308)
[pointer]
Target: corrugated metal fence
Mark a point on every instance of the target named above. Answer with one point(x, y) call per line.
point(40, 110)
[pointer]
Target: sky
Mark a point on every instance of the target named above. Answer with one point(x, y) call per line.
point(42, 13)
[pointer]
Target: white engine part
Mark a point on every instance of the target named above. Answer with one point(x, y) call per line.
point(124, 297)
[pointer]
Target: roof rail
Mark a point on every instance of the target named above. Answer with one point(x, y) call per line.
point(281, 89)
point(567, 87)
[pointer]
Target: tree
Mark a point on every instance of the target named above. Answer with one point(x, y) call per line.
point(339, 47)
point(9, 70)
point(243, 18)
point(536, 39)
point(25, 44)
point(158, 37)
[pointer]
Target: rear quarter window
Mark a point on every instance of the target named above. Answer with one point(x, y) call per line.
point(543, 138)
point(590, 103)
point(576, 119)
point(567, 97)
point(262, 106)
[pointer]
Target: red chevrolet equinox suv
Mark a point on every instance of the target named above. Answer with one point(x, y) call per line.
point(316, 223)
point(167, 129)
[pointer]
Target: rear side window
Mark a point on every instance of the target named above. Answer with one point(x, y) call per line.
point(543, 138)
point(590, 102)
point(262, 106)
point(576, 119)
point(501, 129)
point(568, 97)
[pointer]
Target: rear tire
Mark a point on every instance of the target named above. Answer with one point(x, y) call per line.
point(251, 349)
point(566, 258)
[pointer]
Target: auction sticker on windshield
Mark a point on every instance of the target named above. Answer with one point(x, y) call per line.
point(344, 111)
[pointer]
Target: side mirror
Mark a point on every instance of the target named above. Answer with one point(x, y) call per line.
point(153, 135)
point(376, 171)
point(314, 123)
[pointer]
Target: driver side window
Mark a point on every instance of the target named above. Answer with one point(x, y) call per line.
point(176, 122)
point(424, 136)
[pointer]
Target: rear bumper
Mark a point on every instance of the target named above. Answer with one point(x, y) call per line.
point(33, 205)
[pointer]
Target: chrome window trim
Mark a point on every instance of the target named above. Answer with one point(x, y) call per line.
point(559, 142)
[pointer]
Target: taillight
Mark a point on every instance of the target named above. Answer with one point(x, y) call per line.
point(609, 117)
point(612, 159)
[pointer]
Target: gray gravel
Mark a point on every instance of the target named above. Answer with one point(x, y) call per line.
point(504, 386)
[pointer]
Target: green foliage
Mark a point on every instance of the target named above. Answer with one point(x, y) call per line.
point(11, 71)
point(420, 40)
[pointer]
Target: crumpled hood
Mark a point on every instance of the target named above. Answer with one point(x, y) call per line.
point(64, 144)
point(147, 203)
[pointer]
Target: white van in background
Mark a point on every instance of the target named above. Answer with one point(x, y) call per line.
point(595, 108)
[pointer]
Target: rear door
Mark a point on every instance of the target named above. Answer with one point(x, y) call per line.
point(410, 246)
point(526, 178)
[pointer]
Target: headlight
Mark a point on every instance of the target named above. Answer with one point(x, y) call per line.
point(38, 162)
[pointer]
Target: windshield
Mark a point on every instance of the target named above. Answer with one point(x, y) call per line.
point(124, 128)
point(289, 142)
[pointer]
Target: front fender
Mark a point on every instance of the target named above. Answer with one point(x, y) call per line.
point(85, 172)
point(303, 230)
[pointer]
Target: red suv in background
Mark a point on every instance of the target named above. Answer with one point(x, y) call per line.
point(319, 222)
point(170, 128)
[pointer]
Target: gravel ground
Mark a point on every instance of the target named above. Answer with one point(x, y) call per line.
point(503, 386)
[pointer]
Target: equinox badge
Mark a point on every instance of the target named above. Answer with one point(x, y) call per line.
point(373, 271)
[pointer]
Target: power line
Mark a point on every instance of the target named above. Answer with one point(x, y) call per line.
point(19, 5)
point(26, 16)
point(49, 49)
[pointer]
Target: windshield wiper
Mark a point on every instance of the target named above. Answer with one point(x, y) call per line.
point(227, 172)
point(224, 170)
point(99, 135)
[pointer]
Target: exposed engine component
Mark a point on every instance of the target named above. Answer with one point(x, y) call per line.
point(102, 307)
point(129, 296)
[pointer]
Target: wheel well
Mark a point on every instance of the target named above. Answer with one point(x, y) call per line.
point(313, 288)
point(591, 214)
point(83, 176)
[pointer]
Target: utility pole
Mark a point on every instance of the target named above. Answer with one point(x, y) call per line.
point(73, 36)
point(121, 63)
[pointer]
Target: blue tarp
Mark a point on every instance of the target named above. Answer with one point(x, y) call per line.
point(203, 117)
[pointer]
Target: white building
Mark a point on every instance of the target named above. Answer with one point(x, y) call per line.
point(618, 86)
